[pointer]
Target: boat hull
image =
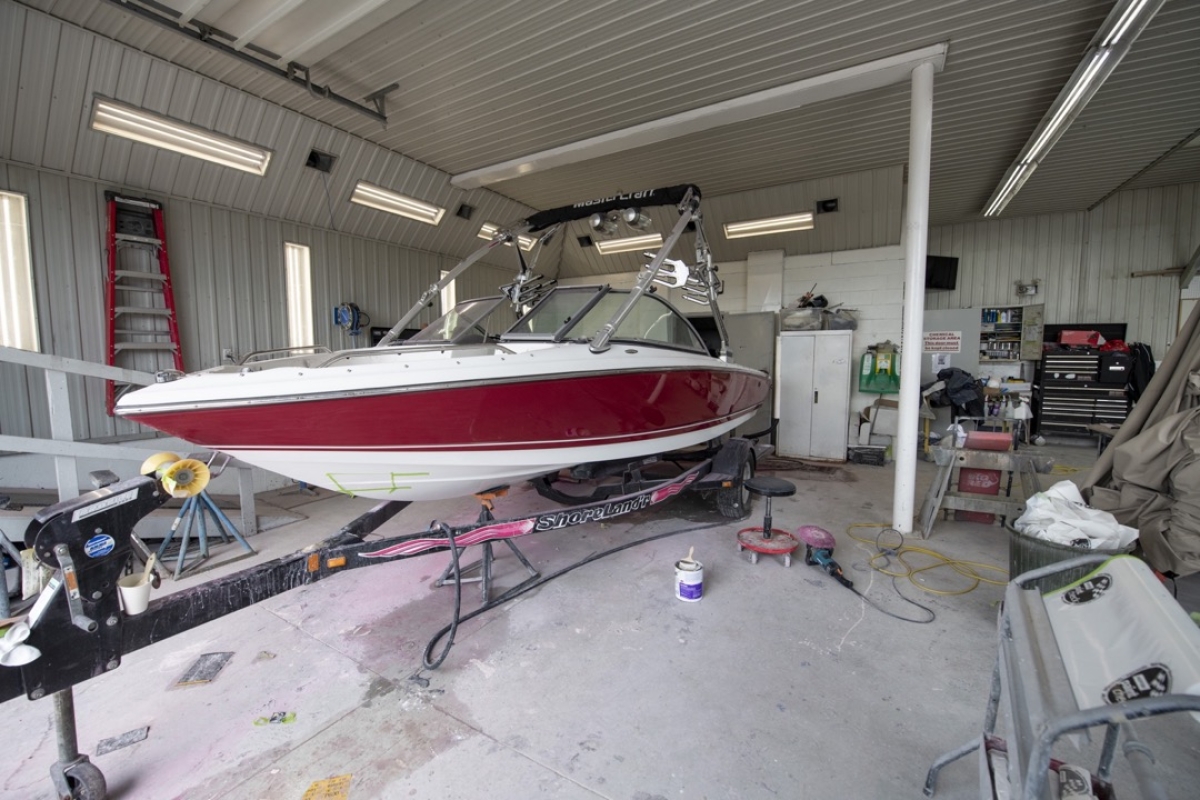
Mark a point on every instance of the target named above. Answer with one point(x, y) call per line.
point(426, 442)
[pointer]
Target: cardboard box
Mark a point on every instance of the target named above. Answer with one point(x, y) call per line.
point(864, 433)
point(885, 417)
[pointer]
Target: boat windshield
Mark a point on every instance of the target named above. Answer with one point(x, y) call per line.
point(579, 314)
point(469, 322)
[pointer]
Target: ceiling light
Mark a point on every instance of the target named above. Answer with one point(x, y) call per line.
point(490, 229)
point(1014, 179)
point(366, 194)
point(1125, 22)
point(142, 126)
point(762, 227)
point(610, 246)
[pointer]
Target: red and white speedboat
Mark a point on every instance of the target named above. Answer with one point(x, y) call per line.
point(588, 375)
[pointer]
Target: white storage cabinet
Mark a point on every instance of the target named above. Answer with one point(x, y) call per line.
point(814, 393)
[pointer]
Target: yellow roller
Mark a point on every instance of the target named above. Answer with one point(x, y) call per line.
point(186, 478)
point(155, 462)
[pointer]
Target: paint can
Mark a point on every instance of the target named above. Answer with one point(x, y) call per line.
point(689, 580)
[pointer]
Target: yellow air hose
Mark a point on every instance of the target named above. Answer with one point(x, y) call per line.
point(900, 553)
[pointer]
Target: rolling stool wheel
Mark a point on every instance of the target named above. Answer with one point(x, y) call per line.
point(767, 540)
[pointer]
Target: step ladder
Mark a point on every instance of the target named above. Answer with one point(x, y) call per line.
point(142, 327)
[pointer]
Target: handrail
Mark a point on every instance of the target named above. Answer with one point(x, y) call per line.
point(308, 348)
point(375, 352)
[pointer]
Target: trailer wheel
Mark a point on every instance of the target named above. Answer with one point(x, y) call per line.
point(734, 502)
point(86, 782)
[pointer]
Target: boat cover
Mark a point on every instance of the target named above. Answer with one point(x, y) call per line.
point(1149, 475)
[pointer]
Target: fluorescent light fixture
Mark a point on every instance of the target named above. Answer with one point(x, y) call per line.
point(490, 229)
point(1014, 179)
point(1125, 22)
point(610, 246)
point(143, 126)
point(762, 227)
point(366, 194)
point(1070, 107)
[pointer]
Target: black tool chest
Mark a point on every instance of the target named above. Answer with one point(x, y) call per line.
point(1075, 389)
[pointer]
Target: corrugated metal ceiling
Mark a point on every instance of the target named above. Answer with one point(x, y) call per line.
point(481, 83)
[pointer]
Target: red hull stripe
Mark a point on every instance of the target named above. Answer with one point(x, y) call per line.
point(609, 408)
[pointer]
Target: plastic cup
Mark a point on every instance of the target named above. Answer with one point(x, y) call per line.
point(135, 593)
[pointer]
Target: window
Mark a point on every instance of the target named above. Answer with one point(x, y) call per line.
point(449, 300)
point(299, 295)
point(18, 313)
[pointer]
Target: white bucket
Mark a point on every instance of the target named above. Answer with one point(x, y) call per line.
point(689, 580)
point(135, 593)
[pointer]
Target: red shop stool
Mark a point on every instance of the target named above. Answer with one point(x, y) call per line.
point(767, 540)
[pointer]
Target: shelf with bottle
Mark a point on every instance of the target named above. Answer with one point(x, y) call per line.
point(1001, 333)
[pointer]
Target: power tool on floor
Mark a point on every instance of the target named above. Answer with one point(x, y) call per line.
point(818, 552)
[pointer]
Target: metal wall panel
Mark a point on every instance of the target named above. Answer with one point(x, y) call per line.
point(993, 255)
point(12, 28)
point(1084, 261)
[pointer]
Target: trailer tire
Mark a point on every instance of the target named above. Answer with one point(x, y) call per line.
point(734, 502)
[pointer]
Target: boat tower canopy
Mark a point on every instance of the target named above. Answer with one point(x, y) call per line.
point(698, 281)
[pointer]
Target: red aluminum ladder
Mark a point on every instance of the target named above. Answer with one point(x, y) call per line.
point(143, 330)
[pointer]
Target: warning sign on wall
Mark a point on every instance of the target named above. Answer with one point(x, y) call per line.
point(943, 341)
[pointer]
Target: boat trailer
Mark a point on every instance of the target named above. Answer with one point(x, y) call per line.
point(78, 630)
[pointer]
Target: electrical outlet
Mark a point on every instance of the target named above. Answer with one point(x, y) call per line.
point(227, 354)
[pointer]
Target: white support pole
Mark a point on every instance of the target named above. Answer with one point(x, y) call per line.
point(916, 235)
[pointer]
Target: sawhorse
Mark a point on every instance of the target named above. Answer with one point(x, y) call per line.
point(941, 498)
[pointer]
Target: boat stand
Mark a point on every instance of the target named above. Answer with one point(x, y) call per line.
point(192, 515)
point(487, 557)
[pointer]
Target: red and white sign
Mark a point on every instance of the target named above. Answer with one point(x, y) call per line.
point(943, 341)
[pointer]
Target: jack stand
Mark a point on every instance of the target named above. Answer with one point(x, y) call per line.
point(487, 557)
point(74, 776)
point(193, 513)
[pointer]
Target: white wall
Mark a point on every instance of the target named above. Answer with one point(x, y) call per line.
point(870, 282)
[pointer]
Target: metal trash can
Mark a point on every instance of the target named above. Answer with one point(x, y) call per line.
point(1029, 552)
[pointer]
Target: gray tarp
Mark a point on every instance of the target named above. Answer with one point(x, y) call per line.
point(1149, 475)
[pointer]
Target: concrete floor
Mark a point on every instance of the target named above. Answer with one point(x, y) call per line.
point(601, 684)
